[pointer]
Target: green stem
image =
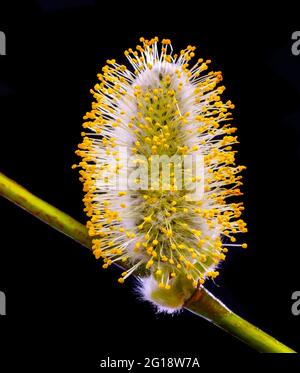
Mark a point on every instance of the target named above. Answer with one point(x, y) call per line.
point(202, 302)
point(44, 211)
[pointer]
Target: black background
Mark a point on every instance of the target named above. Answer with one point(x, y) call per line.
point(61, 306)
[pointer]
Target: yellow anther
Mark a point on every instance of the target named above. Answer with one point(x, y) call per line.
point(149, 263)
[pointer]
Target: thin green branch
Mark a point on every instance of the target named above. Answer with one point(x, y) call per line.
point(44, 211)
point(202, 303)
